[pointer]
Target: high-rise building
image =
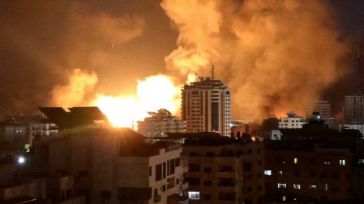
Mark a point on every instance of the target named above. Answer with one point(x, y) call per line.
point(206, 106)
point(159, 123)
point(354, 109)
point(323, 108)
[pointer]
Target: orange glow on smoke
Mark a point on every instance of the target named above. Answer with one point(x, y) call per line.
point(153, 93)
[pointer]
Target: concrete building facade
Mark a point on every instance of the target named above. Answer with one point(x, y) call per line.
point(354, 109)
point(160, 123)
point(224, 170)
point(323, 108)
point(117, 166)
point(206, 106)
point(292, 121)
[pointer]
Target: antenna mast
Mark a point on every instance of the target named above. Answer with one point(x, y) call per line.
point(212, 72)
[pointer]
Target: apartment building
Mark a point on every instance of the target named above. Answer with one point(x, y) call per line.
point(314, 164)
point(160, 123)
point(116, 165)
point(206, 106)
point(224, 170)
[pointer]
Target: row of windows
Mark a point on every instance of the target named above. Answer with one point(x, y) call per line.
point(165, 169)
point(295, 160)
point(312, 174)
point(297, 186)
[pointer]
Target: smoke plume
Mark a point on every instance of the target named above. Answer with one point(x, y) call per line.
point(75, 92)
point(276, 56)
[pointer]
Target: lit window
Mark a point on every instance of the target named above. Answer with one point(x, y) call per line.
point(268, 172)
point(326, 187)
point(342, 162)
point(297, 186)
point(312, 186)
point(284, 198)
point(295, 160)
point(282, 185)
point(280, 172)
point(194, 195)
point(327, 162)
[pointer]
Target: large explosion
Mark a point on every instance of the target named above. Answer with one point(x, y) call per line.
point(276, 56)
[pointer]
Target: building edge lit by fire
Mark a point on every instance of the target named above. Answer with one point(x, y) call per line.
point(206, 106)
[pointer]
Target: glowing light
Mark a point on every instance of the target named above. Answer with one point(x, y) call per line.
point(21, 160)
point(153, 93)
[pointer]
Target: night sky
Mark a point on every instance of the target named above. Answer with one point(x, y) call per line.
point(42, 40)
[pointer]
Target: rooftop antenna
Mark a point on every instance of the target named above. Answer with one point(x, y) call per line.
point(212, 72)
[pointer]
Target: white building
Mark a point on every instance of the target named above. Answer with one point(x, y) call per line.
point(292, 121)
point(159, 123)
point(206, 106)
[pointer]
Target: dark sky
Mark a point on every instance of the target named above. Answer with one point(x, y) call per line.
point(42, 40)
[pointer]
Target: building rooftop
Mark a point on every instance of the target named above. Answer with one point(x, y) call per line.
point(208, 139)
point(74, 117)
point(317, 134)
point(205, 83)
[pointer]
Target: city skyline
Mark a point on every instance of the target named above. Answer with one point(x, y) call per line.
point(121, 27)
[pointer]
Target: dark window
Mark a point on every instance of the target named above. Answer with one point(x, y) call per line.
point(193, 154)
point(215, 116)
point(312, 161)
point(227, 196)
point(225, 168)
point(312, 174)
point(323, 174)
point(177, 162)
point(83, 173)
point(296, 173)
point(164, 170)
point(207, 170)
point(194, 167)
point(158, 172)
point(171, 166)
point(226, 182)
point(210, 154)
point(207, 183)
point(105, 195)
point(193, 181)
point(207, 196)
point(150, 171)
point(247, 166)
point(335, 175)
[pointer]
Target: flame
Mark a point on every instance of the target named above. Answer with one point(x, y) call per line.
point(153, 93)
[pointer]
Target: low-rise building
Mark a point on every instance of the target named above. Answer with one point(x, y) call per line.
point(116, 165)
point(160, 123)
point(292, 121)
point(314, 163)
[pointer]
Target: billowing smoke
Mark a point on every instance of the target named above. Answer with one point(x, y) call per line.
point(42, 41)
point(275, 55)
point(76, 91)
